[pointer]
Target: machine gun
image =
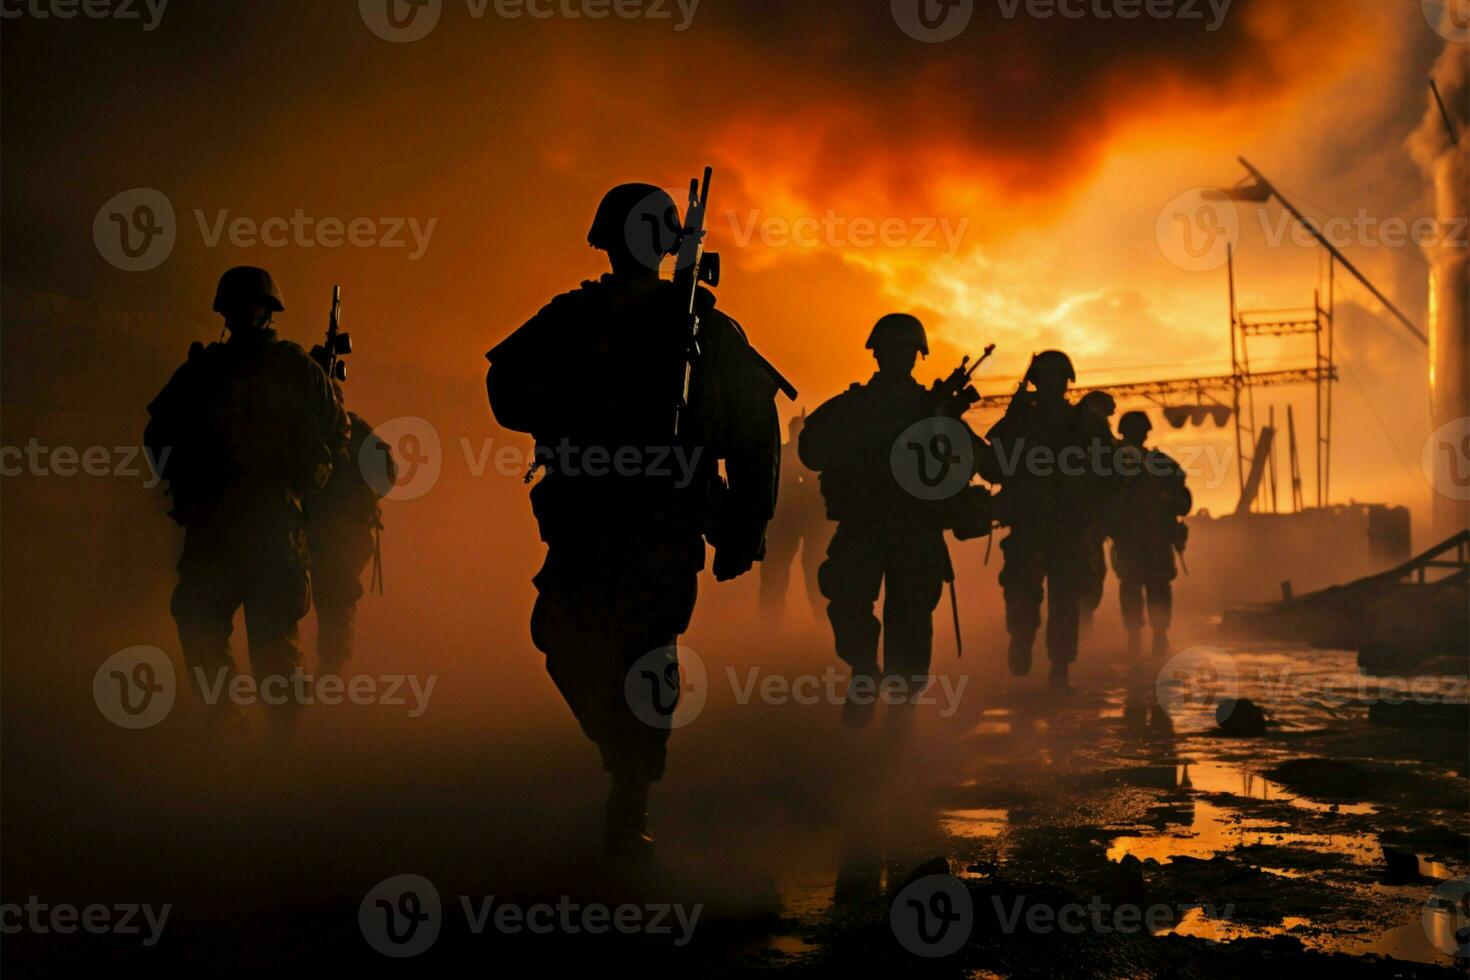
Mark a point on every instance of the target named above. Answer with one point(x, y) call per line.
point(338, 344)
point(953, 395)
point(693, 267)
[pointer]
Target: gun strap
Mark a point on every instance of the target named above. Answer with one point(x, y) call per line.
point(954, 608)
point(377, 577)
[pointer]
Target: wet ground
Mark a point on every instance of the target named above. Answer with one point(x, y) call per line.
point(1327, 842)
point(1114, 833)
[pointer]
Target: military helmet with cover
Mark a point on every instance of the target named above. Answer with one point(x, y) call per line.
point(899, 329)
point(1100, 403)
point(1052, 362)
point(638, 218)
point(1135, 422)
point(247, 285)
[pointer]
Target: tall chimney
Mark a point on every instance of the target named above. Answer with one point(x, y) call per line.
point(1446, 161)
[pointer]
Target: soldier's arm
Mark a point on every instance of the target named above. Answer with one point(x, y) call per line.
point(528, 385)
point(751, 436)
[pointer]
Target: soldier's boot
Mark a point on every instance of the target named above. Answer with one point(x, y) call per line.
point(1019, 657)
point(627, 820)
point(1161, 642)
point(1135, 643)
point(862, 697)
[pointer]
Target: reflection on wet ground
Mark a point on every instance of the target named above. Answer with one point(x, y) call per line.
point(1325, 834)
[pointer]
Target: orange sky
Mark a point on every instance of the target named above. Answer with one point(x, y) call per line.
point(1044, 149)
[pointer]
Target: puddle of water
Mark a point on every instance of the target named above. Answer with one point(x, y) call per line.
point(791, 945)
point(1195, 922)
point(1217, 830)
point(973, 824)
point(1220, 777)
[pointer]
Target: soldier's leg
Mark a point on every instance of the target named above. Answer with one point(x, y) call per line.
point(775, 568)
point(339, 556)
point(1067, 570)
point(1160, 589)
point(813, 552)
point(850, 579)
point(277, 595)
point(1130, 597)
point(656, 592)
point(1021, 580)
point(913, 585)
point(1092, 590)
point(570, 624)
point(203, 606)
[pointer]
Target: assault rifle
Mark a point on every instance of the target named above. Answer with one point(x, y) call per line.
point(693, 267)
point(953, 395)
point(338, 344)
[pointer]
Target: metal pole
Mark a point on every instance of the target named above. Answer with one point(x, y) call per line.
point(1312, 230)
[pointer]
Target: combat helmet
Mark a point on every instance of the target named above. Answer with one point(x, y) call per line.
point(1135, 422)
point(246, 285)
point(1052, 362)
point(899, 329)
point(629, 208)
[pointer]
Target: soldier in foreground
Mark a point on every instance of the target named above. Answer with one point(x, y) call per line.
point(887, 537)
point(250, 427)
point(631, 488)
point(800, 525)
point(1146, 531)
point(1101, 404)
point(1047, 457)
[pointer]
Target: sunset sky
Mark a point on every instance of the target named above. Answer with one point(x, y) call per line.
point(1020, 170)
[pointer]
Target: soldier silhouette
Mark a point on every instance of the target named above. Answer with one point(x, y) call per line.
point(248, 428)
point(1101, 404)
point(1146, 531)
point(1047, 455)
point(887, 537)
point(800, 525)
point(344, 521)
point(625, 504)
